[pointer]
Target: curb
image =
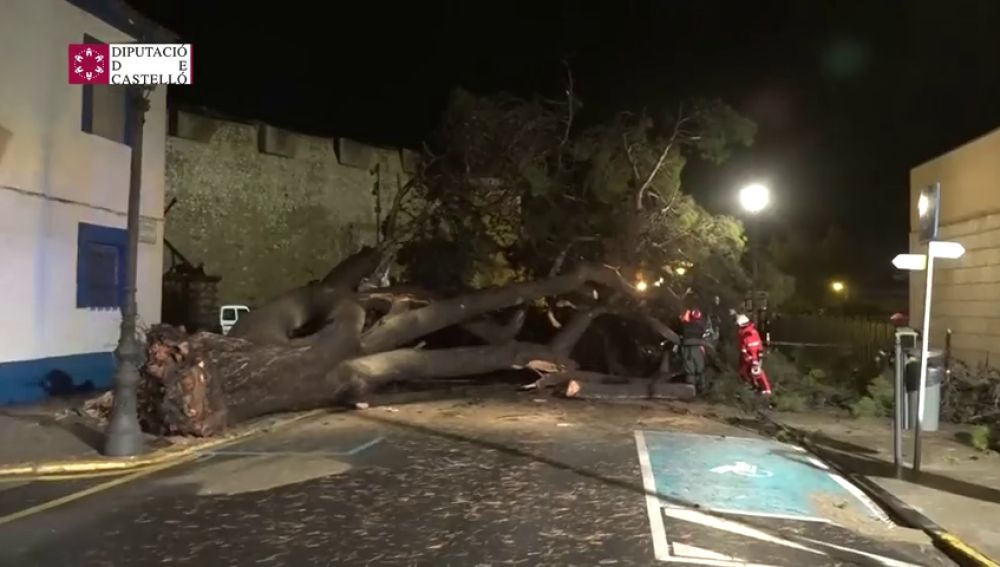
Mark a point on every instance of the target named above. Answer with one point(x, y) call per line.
point(950, 544)
point(83, 467)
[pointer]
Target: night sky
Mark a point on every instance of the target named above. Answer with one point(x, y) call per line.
point(848, 95)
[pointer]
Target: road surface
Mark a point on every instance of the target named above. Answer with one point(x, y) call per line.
point(508, 482)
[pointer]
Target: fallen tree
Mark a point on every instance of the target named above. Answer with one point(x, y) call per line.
point(516, 192)
point(328, 343)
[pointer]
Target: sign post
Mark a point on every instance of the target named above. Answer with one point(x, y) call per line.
point(948, 251)
point(928, 205)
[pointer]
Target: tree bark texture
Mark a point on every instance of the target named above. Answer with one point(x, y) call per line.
point(326, 343)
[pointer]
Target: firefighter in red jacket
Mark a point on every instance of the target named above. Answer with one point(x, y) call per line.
point(751, 352)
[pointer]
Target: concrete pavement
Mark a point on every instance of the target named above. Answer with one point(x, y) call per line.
point(958, 489)
point(448, 483)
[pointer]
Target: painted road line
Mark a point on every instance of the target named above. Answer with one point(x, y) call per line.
point(31, 471)
point(661, 549)
point(887, 561)
point(265, 453)
point(662, 503)
point(816, 547)
point(90, 491)
point(873, 508)
point(743, 476)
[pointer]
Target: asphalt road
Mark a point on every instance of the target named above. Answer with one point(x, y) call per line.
point(512, 483)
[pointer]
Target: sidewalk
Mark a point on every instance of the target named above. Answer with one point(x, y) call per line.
point(47, 432)
point(52, 439)
point(958, 488)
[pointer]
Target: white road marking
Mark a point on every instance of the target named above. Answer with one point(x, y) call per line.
point(887, 561)
point(676, 552)
point(691, 551)
point(743, 469)
point(867, 502)
point(731, 526)
point(792, 517)
point(661, 549)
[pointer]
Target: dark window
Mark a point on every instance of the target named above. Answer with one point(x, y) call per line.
point(105, 109)
point(100, 266)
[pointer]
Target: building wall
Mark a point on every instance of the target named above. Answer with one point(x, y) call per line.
point(53, 176)
point(266, 209)
point(966, 291)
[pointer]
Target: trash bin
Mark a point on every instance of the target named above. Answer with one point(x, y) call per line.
point(932, 392)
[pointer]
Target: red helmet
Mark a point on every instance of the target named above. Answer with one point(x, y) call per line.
point(691, 315)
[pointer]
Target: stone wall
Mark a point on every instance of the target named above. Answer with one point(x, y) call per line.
point(268, 209)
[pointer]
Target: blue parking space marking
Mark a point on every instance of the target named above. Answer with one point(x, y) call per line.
point(738, 475)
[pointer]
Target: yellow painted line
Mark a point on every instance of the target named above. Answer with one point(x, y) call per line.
point(89, 491)
point(60, 477)
point(966, 550)
point(33, 471)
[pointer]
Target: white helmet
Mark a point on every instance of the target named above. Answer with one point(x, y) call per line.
point(742, 320)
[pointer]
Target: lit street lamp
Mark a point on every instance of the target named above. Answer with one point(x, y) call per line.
point(754, 198)
point(838, 287)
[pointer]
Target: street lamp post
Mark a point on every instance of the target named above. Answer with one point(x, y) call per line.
point(124, 436)
point(754, 198)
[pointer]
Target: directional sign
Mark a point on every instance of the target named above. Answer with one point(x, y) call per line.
point(913, 262)
point(938, 249)
point(947, 250)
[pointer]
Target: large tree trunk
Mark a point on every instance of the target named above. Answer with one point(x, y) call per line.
point(354, 343)
point(206, 382)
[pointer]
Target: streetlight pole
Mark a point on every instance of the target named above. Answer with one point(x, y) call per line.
point(754, 257)
point(124, 436)
point(754, 199)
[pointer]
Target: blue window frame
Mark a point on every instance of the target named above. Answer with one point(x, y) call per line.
point(105, 109)
point(100, 266)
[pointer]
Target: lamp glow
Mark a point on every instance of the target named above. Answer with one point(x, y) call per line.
point(641, 285)
point(838, 287)
point(755, 198)
point(923, 203)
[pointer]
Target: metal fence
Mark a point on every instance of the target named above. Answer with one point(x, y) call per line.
point(861, 337)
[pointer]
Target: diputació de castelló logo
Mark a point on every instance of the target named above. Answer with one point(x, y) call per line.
point(129, 64)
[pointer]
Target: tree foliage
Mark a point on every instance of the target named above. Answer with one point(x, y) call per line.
point(514, 189)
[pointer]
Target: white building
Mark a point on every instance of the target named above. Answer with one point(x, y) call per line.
point(64, 178)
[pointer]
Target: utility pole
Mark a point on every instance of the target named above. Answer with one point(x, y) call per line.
point(754, 253)
point(124, 436)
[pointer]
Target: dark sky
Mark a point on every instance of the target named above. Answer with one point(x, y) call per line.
point(848, 95)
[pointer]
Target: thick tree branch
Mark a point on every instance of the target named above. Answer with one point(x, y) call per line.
point(406, 327)
point(349, 273)
point(572, 332)
point(659, 165)
point(306, 307)
point(409, 364)
point(495, 333)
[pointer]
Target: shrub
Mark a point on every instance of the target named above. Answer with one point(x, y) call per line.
point(790, 402)
point(866, 407)
point(982, 437)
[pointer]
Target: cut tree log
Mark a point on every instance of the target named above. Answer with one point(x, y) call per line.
point(199, 384)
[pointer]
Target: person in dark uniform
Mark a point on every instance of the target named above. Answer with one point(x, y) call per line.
point(693, 332)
